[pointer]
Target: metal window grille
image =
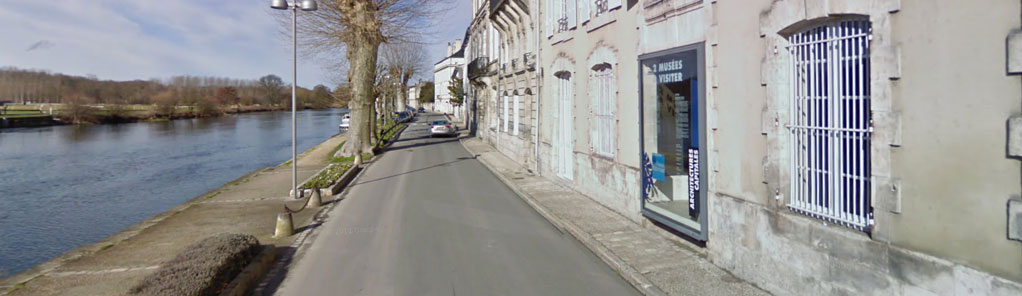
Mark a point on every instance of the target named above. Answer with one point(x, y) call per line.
point(562, 16)
point(601, 6)
point(830, 123)
point(603, 138)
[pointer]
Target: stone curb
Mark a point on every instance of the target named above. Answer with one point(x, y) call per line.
point(253, 273)
point(640, 282)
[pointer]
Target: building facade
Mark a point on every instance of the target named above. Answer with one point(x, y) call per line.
point(812, 147)
point(413, 95)
point(481, 54)
point(443, 71)
point(512, 114)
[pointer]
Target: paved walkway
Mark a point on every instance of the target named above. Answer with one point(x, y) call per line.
point(651, 262)
point(426, 218)
point(111, 266)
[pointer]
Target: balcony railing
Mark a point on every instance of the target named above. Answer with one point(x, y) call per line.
point(529, 61)
point(478, 67)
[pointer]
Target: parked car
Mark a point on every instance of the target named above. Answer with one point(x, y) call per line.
point(442, 128)
point(422, 110)
point(345, 122)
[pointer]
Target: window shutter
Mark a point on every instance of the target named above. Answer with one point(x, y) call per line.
point(583, 10)
point(611, 4)
point(571, 14)
point(517, 113)
point(505, 113)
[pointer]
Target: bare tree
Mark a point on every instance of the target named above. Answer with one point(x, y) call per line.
point(358, 28)
point(272, 88)
point(404, 61)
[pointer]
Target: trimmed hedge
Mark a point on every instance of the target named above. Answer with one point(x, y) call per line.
point(203, 268)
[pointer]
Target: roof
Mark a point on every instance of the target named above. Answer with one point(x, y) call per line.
point(461, 51)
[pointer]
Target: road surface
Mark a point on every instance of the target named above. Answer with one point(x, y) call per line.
point(429, 219)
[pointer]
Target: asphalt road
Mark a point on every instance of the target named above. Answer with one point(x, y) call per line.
point(429, 219)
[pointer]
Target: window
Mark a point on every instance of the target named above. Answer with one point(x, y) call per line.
point(505, 113)
point(561, 17)
point(603, 107)
point(603, 6)
point(517, 108)
point(830, 123)
point(563, 143)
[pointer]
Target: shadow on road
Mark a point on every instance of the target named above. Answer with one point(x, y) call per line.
point(416, 170)
point(399, 147)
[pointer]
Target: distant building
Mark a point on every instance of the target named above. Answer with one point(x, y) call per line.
point(413, 95)
point(442, 73)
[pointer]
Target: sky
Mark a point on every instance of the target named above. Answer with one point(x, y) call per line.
point(144, 39)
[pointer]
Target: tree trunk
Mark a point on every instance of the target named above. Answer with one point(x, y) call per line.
point(362, 56)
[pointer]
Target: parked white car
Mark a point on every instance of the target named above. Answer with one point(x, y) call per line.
point(345, 122)
point(442, 128)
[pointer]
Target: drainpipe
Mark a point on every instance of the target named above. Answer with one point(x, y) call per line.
point(539, 89)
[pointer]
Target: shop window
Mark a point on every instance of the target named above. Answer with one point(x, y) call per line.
point(603, 108)
point(673, 114)
point(830, 122)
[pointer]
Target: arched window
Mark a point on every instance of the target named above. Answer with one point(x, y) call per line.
point(603, 108)
point(505, 112)
point(830, 121)
point(564, 123)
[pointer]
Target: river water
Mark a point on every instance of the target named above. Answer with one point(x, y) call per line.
point(65, 186)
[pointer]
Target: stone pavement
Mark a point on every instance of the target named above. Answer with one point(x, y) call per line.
point(651, 262)
point(110, 267)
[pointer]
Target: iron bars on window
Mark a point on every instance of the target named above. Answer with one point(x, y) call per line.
point(830, 123)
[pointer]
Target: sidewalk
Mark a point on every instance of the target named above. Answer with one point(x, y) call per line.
point(652, 263)
point(458, 122)
point(112, 266)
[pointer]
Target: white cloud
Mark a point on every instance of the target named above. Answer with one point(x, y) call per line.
point(142, 39)
point(139, 39)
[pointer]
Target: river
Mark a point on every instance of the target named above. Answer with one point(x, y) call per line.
point(65, 186)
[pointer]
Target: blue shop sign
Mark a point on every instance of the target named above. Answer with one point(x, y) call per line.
point(658, 167)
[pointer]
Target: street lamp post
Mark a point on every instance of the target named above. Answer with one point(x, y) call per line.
point(306, 5)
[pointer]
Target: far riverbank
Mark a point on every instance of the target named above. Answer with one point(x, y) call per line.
point(53, 114)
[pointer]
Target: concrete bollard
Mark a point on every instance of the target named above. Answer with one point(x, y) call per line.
point(315, 200)
point(285, 227)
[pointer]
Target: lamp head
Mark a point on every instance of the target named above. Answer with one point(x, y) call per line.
point(278, 4)
point(308, 5)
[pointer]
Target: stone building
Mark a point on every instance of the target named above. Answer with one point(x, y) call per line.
point(511, 117)
point(413, 95)
point(481, 53)
point(442, 73)
point(588, 124)
point(810, 147)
